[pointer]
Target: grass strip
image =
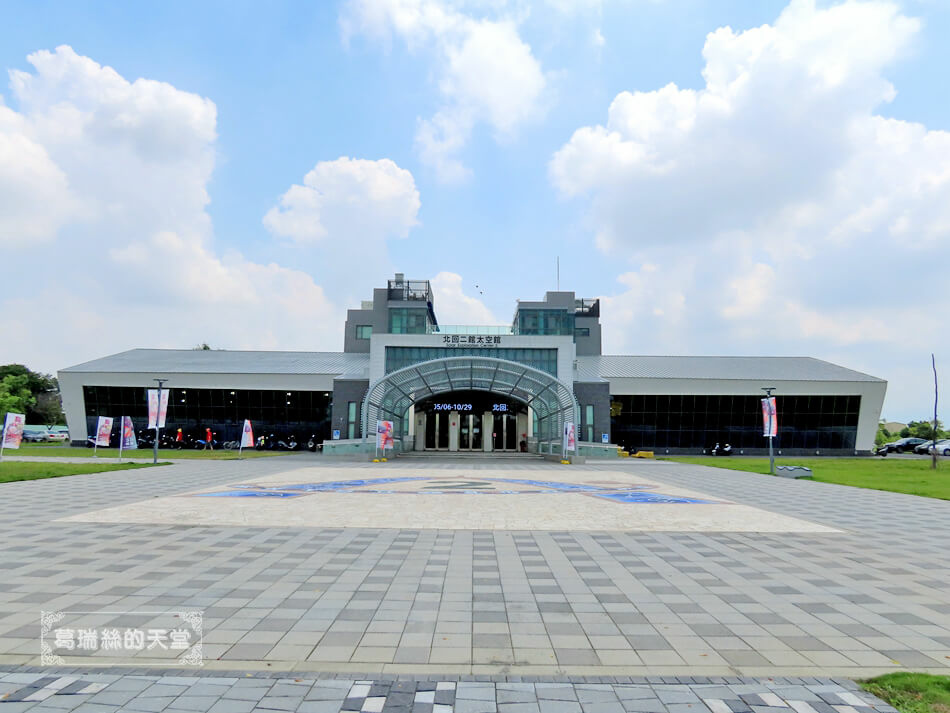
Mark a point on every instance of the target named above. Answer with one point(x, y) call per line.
point(59, 451)
point(897, 475)
point(11, 471)
point(912, 692)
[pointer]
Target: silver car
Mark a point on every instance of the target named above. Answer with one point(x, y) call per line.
point(942, 447)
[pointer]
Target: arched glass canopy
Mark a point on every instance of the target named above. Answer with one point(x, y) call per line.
point(389, 398)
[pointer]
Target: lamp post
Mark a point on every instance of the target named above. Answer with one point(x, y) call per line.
point(158, 411)
point(768, 394)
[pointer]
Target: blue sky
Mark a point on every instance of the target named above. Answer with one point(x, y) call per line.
point(758, 228)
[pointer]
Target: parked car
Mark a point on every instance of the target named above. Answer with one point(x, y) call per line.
point(942, 447)
point(923, 449)
point(35, 434)
point(58, 433)
point(900, 445)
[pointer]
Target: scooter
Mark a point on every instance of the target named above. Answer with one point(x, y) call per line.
point(312, 443)
point(725, 450)
point(289, 445)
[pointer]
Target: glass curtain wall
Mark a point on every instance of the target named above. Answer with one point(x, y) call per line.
point(403, 320)
point(301, 413)
point(545, 322)
point(676, 421)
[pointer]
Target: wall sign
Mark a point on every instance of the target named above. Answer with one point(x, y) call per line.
point(471, 340)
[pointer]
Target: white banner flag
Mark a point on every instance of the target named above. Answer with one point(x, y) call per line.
point(569, 442)
point(104, 431)
point(157, 408)
point(13, 429)
point(247, 435)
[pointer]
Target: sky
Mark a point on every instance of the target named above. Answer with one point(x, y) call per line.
point(730, 178)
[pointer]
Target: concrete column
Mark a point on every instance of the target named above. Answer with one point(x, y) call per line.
point(522, 423)
point(420, 441)
point(454, 420)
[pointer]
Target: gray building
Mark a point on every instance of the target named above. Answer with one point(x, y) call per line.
point(486, 389)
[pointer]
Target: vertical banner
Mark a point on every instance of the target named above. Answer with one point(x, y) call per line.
point(128, 434)
point(157, 408)
point(247, 435)
point(384, 435)
point(769, 417)
point(104, 431)
point(13, 430)
point(569, 442)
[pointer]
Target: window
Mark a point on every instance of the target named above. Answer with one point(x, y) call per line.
point(581, 331)
point(545, 322)
point(364, 331)
point(351, 419)
point(589, 422)
point(408, 321)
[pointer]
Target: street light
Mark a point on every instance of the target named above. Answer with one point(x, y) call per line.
point(771, 412)
point(158, 412)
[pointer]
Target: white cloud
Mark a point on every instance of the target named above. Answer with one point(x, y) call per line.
point(360, 200)
point(453, 306)
point(487, 73)
point(789, 215)
point(113, 176)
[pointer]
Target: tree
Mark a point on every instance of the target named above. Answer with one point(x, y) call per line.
point(883, 435)
point(45, 405)
point(15, 395)
point(924, 429)
point(203, 347)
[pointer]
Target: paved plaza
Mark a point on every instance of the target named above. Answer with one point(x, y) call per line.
point(513, 571)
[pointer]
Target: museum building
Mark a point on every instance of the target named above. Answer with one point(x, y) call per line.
point(484, 388)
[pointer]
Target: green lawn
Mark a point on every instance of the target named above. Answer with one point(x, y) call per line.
point(56, 451)
point(912, 692)
point(24, 470)
point(897, 475)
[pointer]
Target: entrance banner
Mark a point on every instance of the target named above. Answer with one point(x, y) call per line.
point(128, 434)
point(13, 430)
point(769, 417)
point(247, 435)
point(157, 409)
point(384, 435)
point(569, 442)
point(104, 431)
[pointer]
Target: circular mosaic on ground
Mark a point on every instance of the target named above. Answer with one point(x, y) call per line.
point(616, 491)
point(453, 497)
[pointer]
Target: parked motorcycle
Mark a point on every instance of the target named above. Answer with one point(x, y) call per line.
point(725, 450)
point(290, 444)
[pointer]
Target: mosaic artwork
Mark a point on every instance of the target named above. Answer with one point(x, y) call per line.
point(614, 491)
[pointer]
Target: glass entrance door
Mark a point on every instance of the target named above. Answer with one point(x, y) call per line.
point(505, 432)
point(470, 432)
point(437, 431)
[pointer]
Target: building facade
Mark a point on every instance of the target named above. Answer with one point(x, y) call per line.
point(485, 388)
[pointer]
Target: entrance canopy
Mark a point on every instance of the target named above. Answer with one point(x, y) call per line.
point(389, 398)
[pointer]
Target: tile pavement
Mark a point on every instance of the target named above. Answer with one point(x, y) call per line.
point(875, 597)
point(236, 693)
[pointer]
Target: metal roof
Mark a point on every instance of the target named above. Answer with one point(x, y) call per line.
point(599, 368)
point(215, 361)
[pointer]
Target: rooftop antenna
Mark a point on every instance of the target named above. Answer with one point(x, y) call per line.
point(557, 273)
